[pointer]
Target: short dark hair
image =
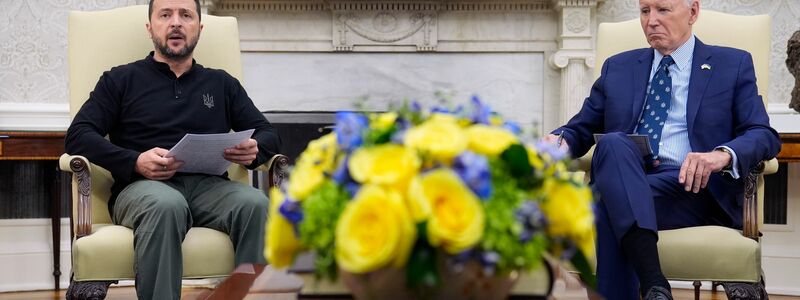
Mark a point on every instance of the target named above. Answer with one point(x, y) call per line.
point(150, 10)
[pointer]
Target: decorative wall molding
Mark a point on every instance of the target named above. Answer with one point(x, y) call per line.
point(224, 6)
point(417, 28)
point(575, 57)
point(33, 116)
point(271, 28)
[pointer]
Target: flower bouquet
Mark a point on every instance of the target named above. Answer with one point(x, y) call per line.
point(422, 195)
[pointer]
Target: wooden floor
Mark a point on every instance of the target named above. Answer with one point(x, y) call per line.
point(128, 293)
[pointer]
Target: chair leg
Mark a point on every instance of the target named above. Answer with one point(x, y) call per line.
point(87, 290)
point(745, 290)
point(714, 285)
point(697, 285)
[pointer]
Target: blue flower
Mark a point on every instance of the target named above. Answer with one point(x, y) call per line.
point(480, 111)
point(293, 212)
point(532, 219)
point(513, 127)
point(489, 261)
point(440, 110)
point(474, 171)
point(342, 176)
point(415, 106)
point(552, 149)
point(349, 130)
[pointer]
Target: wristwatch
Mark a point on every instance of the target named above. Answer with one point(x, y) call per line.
point(730, 163)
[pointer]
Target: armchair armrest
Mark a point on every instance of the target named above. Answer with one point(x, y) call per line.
point(751, 204)
point(276, 168)
point(86, 175)
point(583, 163)
point(771, 166)
point(81, 169)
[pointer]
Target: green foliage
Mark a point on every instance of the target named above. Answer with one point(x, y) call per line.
point(581, 263)
point(421, 268)
point(317, 230)
point(502, 230)
point(377, 137)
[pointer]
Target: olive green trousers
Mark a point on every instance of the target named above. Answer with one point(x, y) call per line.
point(161, 213)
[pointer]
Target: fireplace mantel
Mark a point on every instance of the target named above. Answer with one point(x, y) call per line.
point(557, 34)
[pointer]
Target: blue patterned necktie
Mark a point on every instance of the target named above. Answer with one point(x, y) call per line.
point(659, 95)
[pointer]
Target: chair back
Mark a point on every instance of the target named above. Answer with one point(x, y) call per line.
point(749, 33)
point(100, 40)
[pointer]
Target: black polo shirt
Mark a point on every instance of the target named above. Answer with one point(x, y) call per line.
point(143, 105)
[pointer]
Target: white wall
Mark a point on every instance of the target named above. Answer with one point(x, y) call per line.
point(26, 254)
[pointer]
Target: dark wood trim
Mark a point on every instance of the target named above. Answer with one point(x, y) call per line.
point(31, 145)
point(790, 148)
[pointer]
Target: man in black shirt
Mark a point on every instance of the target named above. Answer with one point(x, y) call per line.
point(146, 107)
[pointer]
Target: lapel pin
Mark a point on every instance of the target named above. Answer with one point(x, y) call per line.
point(705, 67)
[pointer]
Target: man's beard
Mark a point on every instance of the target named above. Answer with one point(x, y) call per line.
point(168, 53)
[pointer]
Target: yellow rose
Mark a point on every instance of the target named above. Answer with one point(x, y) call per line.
point(533, 158)
point(282, 244)
point(456, 215)
point(496, 120)
point(382, 121)
point(568, 209)
point(306, 177)
point(418, 205)
point(309, 170)
point(321, 152)
point(374, 231)
point(387, 164)
point(490, 141)
point(440, 136)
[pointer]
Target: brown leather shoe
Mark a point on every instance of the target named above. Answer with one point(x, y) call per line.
point(658, 293)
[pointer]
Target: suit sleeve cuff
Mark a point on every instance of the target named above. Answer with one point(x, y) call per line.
point(733, 169)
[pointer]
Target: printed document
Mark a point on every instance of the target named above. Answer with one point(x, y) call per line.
point(639, 139)
point(203, 153)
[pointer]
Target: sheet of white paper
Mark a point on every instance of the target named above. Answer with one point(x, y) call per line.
point(202, 153)
point(639, 139)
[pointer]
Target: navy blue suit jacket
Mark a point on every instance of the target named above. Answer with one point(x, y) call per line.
point(723, 109)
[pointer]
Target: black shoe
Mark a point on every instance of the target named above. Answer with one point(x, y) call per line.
point(658, 293)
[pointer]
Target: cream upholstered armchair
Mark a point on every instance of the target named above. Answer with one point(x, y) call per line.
point(102, 253)
point(734, 258)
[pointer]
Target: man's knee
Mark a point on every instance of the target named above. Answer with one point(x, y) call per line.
point(252, 200)
point(160, 198)
point(613, 140)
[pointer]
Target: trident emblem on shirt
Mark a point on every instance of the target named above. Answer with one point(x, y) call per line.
point(208, 100)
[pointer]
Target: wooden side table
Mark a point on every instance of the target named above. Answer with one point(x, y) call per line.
point(790, 148)
point(39, 145)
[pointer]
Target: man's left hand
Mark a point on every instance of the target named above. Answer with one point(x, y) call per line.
point(243, 153)
point(697, 168)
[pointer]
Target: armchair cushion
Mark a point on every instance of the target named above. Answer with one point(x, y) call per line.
point(107, 254)
point(709, 253)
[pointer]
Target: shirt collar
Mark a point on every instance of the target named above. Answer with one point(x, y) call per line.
point(682, 56)
point(164, 67)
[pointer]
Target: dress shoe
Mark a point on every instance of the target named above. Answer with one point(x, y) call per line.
point(658, 293)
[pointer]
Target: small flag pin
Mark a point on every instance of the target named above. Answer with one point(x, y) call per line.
point(705, 67)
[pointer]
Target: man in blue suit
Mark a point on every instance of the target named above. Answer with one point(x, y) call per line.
point(707, 126)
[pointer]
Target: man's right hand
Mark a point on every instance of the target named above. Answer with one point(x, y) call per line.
point(153, 165)
point(552, 138)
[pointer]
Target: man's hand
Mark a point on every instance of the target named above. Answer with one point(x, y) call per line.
point(153, 165)
point(243, 153)
point(552, 138)
point(697, 167)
